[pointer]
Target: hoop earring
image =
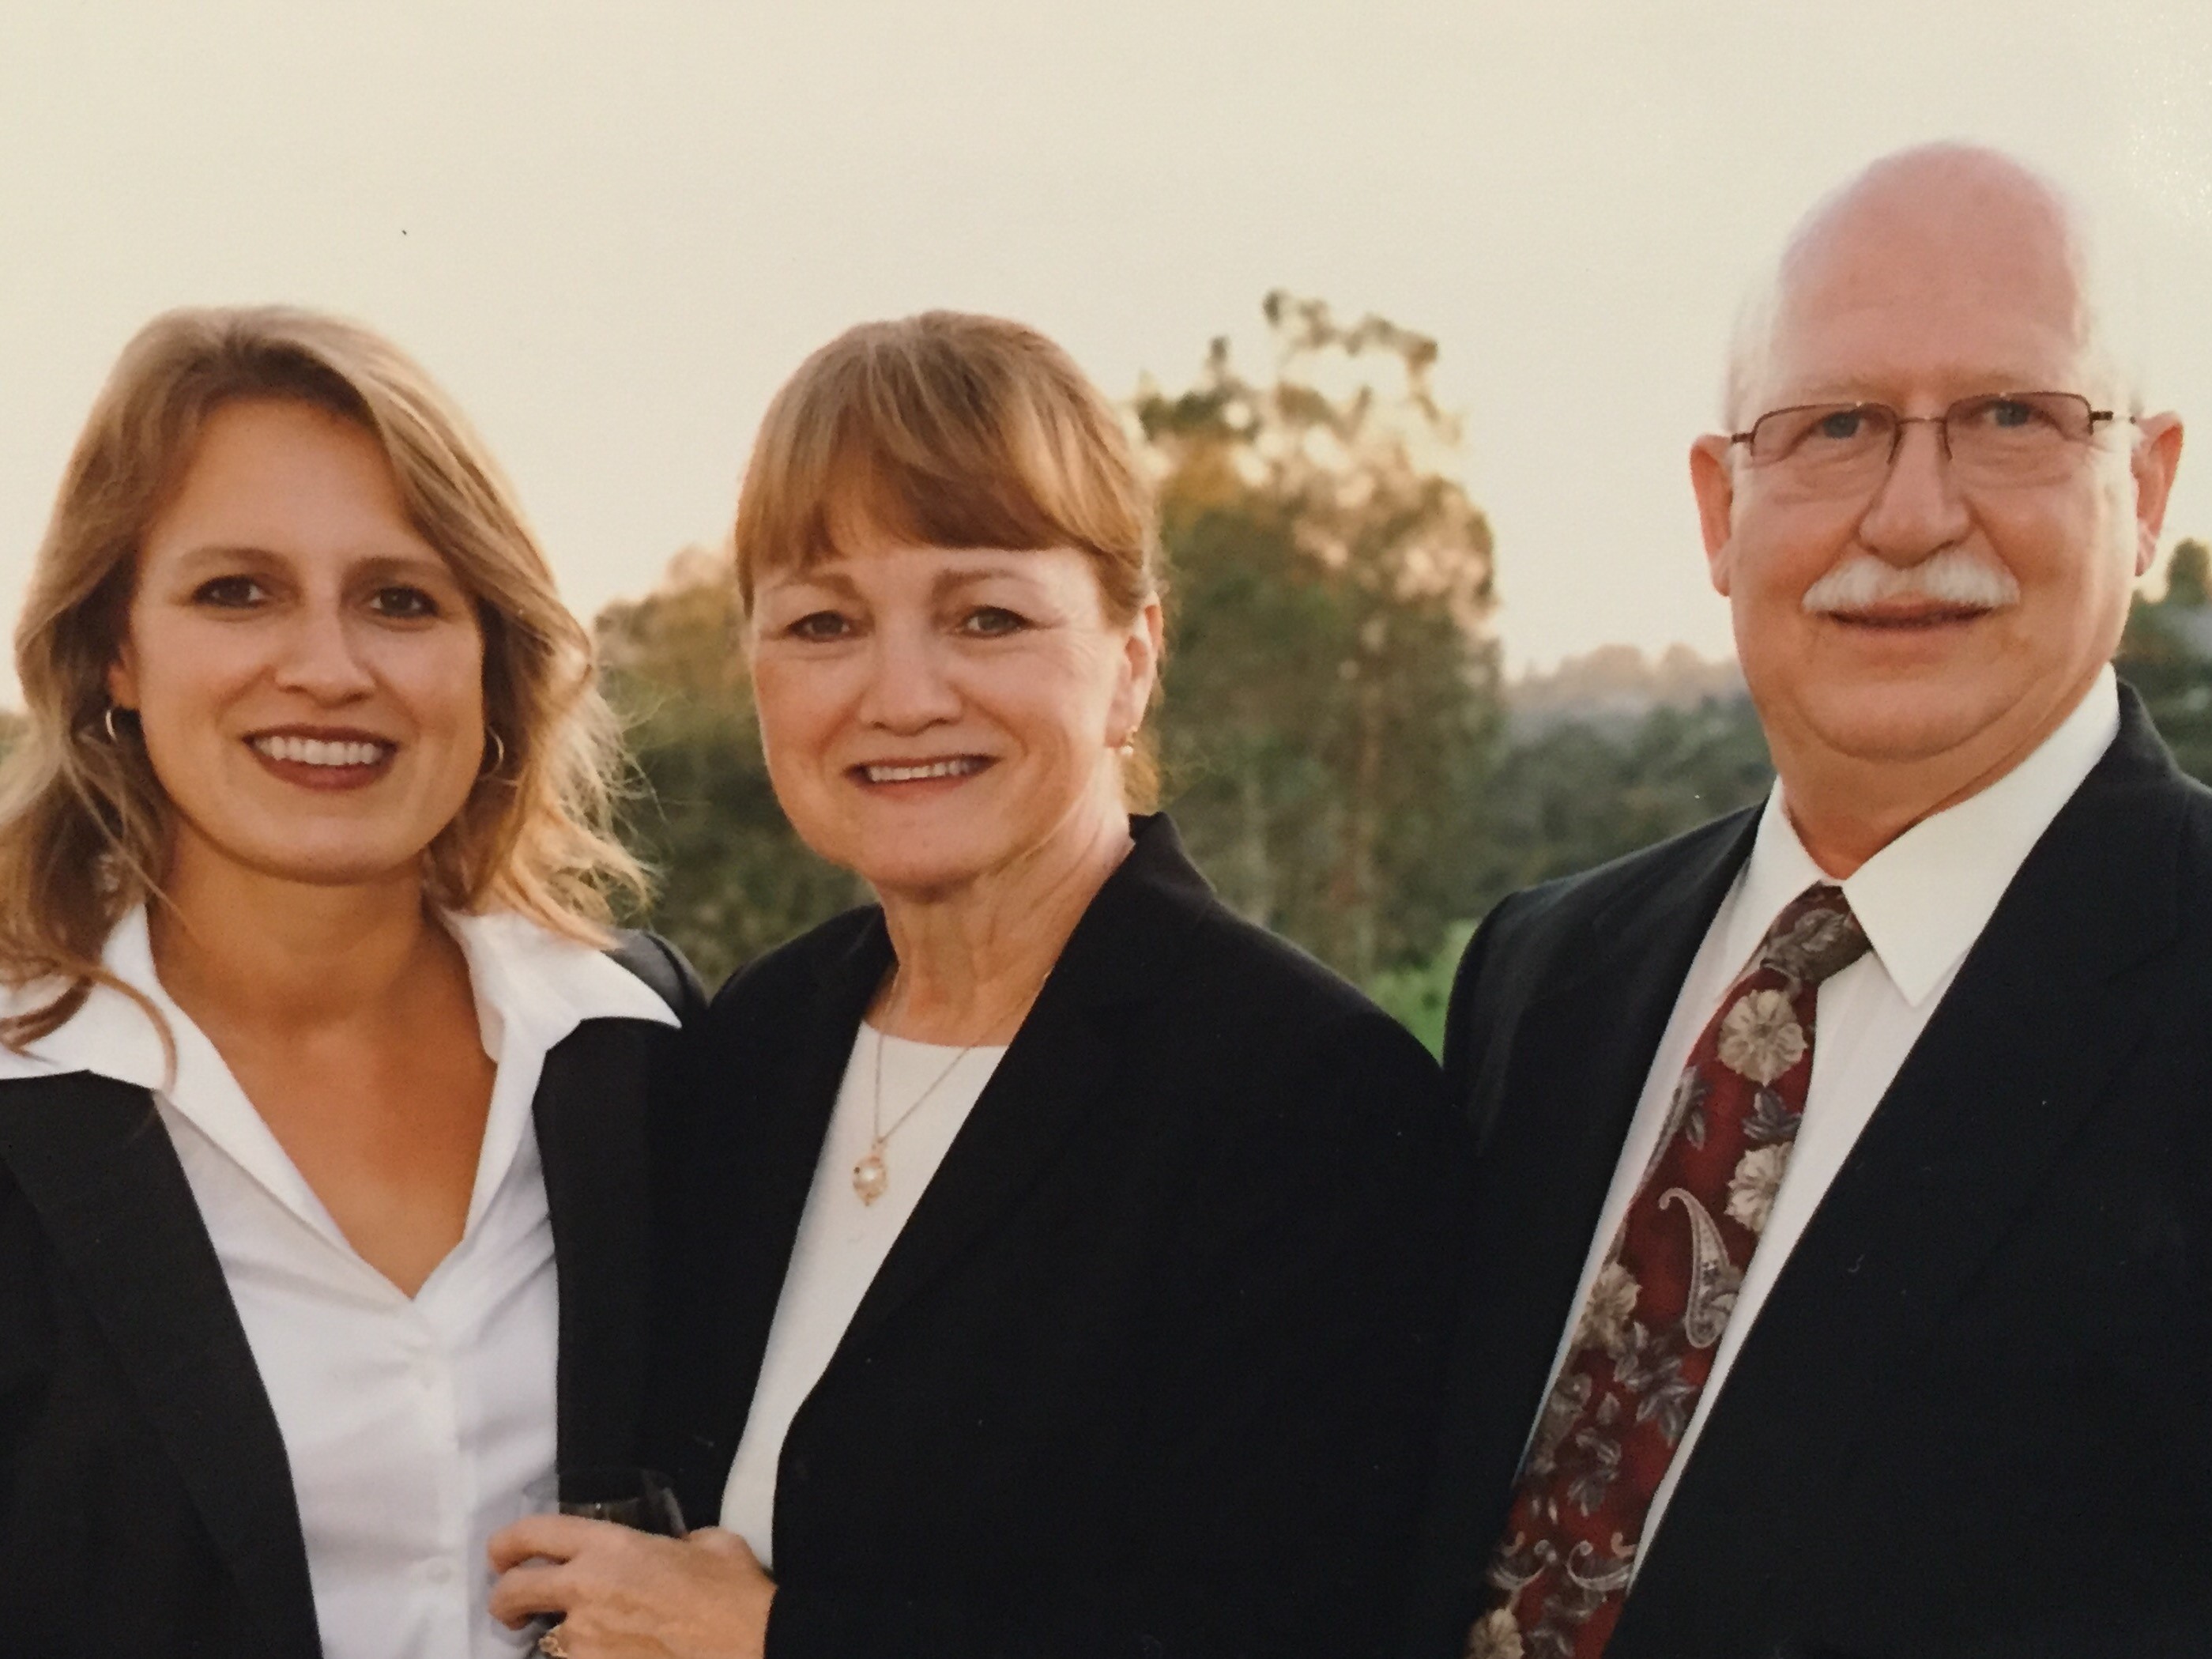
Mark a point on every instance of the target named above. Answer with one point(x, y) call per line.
point(498, 758)
point(107, 720)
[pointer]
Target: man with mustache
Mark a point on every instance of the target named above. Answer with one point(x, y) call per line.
point(1839, 1277)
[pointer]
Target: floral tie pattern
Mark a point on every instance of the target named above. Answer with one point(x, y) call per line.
point(1643, 1347)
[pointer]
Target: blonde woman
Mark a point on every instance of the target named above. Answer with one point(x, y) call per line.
point(1059, 1263)
point(323, 1106)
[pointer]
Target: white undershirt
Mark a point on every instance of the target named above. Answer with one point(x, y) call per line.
point(843, 1241)
point(411, 1426)
point(1923, 900)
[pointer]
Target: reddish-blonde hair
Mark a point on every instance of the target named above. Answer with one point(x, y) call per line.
point(949, 429)
point(84, 822)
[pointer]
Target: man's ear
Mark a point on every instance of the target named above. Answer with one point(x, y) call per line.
point(1713, 482)
point(2157, 455)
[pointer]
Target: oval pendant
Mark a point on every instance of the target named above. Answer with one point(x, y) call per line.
point(869, 1178)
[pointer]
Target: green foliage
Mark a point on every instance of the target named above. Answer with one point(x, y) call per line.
point(1419, 997)
point(1331, 703)
point(1573, 796)
point(732, 879)
point(2189, 575)
point(1581, 793)
point(2167, 655)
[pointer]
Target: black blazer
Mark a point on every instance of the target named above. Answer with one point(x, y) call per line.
point(1151, 1370)
point(1975, 1414)
point(146, 1502)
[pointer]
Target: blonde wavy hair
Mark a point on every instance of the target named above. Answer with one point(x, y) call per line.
point(84, 822)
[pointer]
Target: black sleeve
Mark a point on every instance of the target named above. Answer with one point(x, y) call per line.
point(1471, 1013)
point(663, 967)
point(1293, 1380)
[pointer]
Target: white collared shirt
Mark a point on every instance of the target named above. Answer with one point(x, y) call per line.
point(411, 1426)
point(1923, 900)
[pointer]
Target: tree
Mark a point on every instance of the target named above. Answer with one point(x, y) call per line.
point(2167, 655)
point(1331, 704)
point(2189, 576)
point(733, 879)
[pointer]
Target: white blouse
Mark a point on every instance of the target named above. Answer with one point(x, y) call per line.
point(843, 1241)
point(411, 1426)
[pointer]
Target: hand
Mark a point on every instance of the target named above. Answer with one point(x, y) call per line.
point(625, 1595)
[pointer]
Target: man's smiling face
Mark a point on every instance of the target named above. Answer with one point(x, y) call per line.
point(1949, 276)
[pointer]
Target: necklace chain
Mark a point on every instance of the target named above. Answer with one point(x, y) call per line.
point(872, 1175)
point(876, 1099)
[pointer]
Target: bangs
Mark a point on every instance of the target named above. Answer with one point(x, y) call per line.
point(926, 434)
point(874, 492)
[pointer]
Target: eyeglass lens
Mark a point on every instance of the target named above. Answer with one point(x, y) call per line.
point(2004, 438)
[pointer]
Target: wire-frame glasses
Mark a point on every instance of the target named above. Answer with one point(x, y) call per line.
point(1997, 438)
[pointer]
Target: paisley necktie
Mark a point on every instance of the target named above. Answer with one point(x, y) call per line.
point(1643, 1347)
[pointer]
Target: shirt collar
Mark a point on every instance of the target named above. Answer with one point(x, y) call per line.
point(1924, 899)
point(536, 981)
point(110, 1035)
point(522, 977)
point(531, 988)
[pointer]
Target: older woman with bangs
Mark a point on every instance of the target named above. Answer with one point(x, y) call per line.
point(1056, 1262)
point(323, 1167)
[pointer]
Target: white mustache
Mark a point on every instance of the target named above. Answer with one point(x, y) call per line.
point(1951, 577)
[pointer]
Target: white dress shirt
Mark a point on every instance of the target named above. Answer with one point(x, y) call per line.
point(411, 1426)
point(1923, 900)
point(843, 1241)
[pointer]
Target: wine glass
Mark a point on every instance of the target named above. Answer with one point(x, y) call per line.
point(641, 1499)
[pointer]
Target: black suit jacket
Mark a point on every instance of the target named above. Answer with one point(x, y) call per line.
point(1975, 1413)
point(1153, 1368)
point(146, 1502)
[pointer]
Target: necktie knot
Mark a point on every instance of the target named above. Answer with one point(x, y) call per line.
point(1815, 937)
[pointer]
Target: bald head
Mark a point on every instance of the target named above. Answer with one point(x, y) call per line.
point(1963, 225)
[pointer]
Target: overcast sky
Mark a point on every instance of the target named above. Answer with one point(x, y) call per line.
point(611, 229)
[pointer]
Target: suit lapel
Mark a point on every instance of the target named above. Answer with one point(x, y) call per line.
point(589, 1115)
point(92, 1157)
point(764, 1155)
point(1058, 1069)
point(1561, 1098)
point(2047, 1006)
point(1053, 1074)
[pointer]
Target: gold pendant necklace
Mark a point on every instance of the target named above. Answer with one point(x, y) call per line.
point(872, 1175)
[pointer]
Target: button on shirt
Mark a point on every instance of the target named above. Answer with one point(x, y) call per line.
point(411, 1426)
point(1923, 900)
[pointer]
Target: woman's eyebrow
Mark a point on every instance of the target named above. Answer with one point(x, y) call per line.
point(412, 565)
point(836, 580)
point(228, 553)
point(949, 581)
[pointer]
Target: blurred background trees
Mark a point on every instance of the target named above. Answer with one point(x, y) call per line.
point(732, 880)
point(1331, 699)
point(2167, 655)
point(1339, 748)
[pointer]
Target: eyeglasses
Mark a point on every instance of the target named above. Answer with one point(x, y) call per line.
point(1999, 438)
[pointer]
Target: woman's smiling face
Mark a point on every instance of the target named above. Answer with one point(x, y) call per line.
point(307, 670)
point(931, 715)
